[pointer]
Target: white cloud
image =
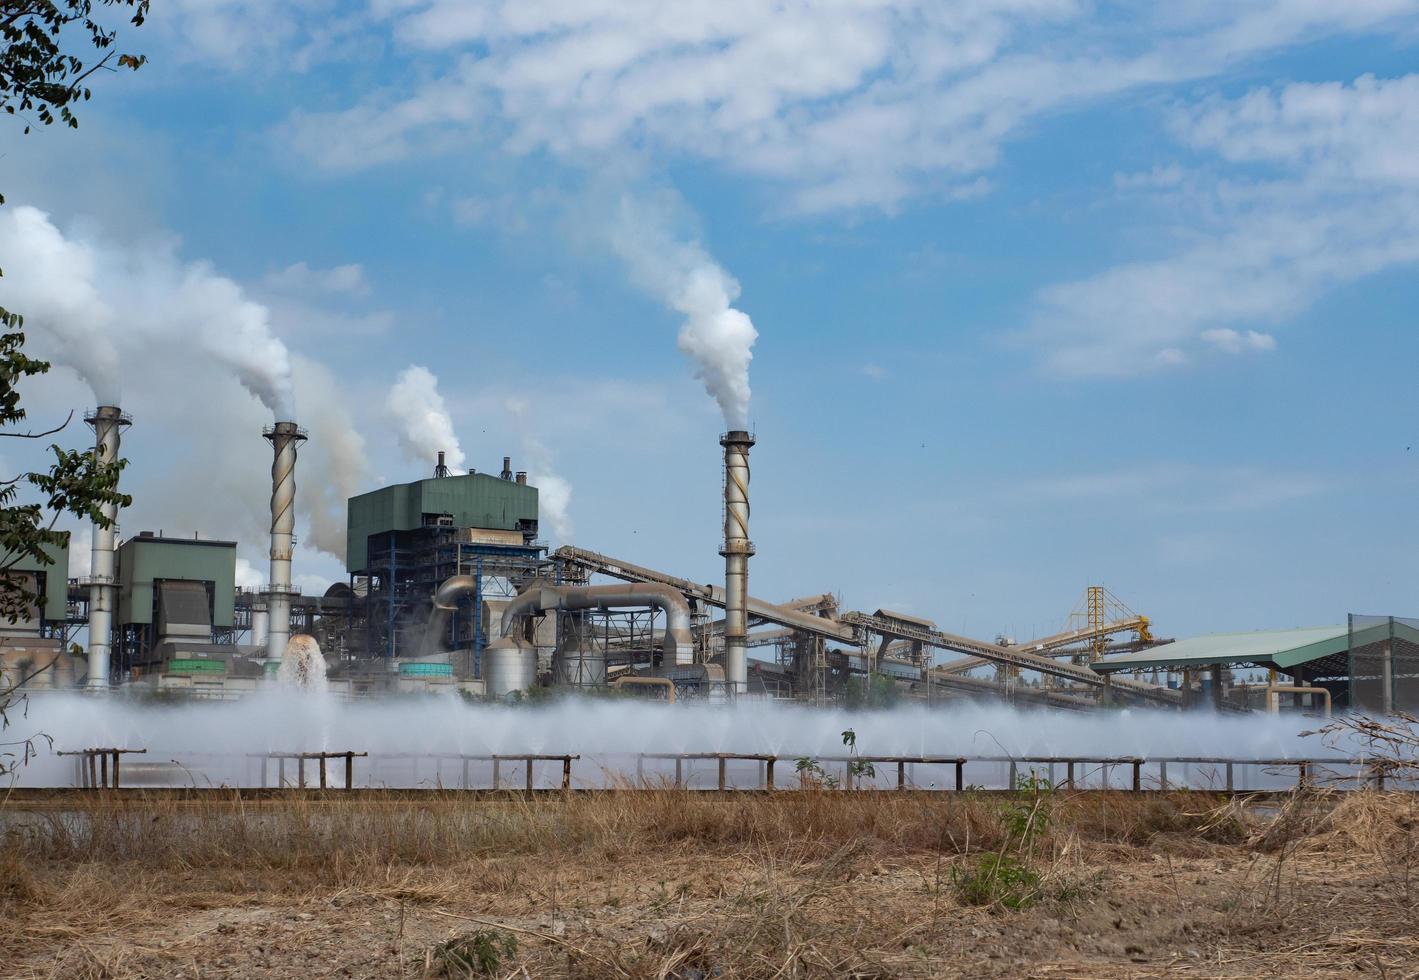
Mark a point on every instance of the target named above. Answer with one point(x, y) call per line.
point(850, 103)
point(1175, 487)
point(875, 371)
point(1170, 175)
point(1340, 201)
point(299, 277)
point(1235, 342)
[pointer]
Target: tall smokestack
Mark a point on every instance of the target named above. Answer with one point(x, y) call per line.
point(285, 438)
point(108, 423)
point(736, 551)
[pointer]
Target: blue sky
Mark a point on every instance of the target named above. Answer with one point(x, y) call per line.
point(1048, 293)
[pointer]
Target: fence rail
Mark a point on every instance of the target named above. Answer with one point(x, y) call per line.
point(98, 769)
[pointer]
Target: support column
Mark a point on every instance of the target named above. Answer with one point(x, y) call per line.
point(736, 551)
point(285, 439)
point(108, 423)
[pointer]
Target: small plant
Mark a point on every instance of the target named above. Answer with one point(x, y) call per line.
point(811, 773)
point(480, 954)
point(1007, 878)
point(857, 768)
point(997, 879)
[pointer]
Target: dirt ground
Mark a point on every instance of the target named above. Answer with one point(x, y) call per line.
point(1309, 899)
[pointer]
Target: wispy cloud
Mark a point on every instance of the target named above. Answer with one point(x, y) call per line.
point(1180, 487)
point(847, 104)
point(1328, 194)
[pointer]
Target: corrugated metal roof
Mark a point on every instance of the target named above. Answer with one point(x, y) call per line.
point(1283, 648)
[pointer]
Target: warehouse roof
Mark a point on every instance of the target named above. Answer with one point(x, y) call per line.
point(1282, 649)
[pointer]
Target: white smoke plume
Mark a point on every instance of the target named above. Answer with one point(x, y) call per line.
point(106, 305)
point(715, 335)
point(425, 427)
point(554, 492)
point(333, 464)
point(107, 310)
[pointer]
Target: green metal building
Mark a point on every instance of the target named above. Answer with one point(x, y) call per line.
point(169, 587)
point(51, 581)
point(474, 500)
point(405, 540)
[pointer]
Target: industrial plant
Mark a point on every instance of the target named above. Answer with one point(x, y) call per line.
point(450, 590)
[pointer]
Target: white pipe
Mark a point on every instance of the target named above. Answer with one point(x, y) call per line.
point(107, 422)
point(285, 438)
point(736, 551)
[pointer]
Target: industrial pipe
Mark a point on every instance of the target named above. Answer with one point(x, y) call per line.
point(678, 649)
point(736, 551)
point(285, 439)
point(664, 683)
point(445, 603)
point(108, 422)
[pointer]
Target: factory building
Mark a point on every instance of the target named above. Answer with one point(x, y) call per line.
point(33, 646)
point(175, 605)
point(404, 541)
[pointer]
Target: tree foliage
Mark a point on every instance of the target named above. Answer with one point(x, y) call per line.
point(49, 49)
point(40, 72)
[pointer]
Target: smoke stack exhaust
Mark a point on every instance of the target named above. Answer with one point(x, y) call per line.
point(736, 551)
point(285, 438)
point(108, 422)
point(440, 468)
point(507, 468)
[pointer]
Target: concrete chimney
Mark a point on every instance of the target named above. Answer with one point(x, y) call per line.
point(285, 438)
point(736, 551)
point(108, 423)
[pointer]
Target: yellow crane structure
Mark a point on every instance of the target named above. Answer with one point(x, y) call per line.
point(1101, 612)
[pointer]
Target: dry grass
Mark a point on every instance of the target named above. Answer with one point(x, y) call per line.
point(688, 885)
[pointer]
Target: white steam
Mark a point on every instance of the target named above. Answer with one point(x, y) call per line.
point(210, 741)
point(554, 492)
point(333, 464)
point(204, 348)
point(715, 335)
point(425, 428)
point(106, 304)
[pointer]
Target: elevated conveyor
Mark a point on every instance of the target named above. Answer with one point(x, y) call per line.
point(994, 653)
point(1050, 643)
point(852, 628)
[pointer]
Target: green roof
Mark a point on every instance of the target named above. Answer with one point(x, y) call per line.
point(471, 500)
point(1282, 649)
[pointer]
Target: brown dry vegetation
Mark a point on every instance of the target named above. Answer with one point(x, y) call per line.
point(686, 885)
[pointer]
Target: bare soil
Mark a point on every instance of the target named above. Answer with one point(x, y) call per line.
point(627, 886)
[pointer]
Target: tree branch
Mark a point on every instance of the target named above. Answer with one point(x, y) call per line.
point(40, 435)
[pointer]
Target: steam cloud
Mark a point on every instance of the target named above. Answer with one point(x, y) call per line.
point(107, 310)
point(425, 428)
point(715, 335)
point(554, 492)
point(102, 301)
point(607, 735)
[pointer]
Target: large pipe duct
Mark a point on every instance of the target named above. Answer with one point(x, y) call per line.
point(510, 662)
point(285, 439)
point(678, 648)
point(108, 423)
point(736, 551)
